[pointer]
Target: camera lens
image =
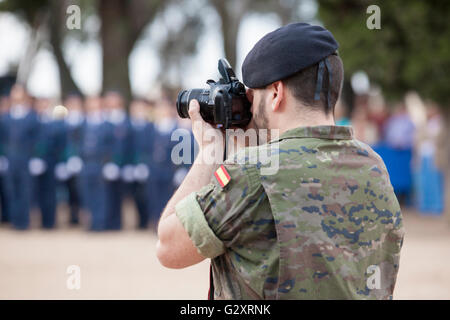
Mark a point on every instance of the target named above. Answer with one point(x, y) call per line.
point(202, 96)
point(183, 104)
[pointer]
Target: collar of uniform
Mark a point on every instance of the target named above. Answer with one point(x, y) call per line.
point(319, 132)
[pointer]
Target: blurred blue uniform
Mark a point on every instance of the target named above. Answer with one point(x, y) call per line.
point(119, 156)
point(161, 181)
point(94, 152)
point(73, 127)
point(49, 149)
point(429, 186)
point(143, 135)
point(21, 132)
point(4, 210)
point(186, 155)
point(398, 163)
point(396, 152)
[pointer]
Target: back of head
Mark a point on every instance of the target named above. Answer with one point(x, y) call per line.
point(302, 85)
point(302, 56)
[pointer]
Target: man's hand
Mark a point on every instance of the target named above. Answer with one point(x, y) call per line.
point(175, 248)
point(210, 140)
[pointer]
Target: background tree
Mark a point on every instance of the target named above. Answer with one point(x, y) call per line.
point(122, 22)
point(57, 34)
point(179, 43)
point(232, 13)
point(47, 22)
point(410, 49)
point(35, 15)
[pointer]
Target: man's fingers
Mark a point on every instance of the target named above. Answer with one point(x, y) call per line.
point(194, 110)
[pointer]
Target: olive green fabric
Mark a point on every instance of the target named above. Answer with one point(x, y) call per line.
point(326, 225)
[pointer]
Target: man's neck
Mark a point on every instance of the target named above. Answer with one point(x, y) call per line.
point(289, 124)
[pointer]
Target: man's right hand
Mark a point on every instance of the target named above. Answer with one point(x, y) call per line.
point(210, 140)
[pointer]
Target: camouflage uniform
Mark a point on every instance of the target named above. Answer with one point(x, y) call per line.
point(311, 231)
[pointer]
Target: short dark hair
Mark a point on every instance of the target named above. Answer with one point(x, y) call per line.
point(303, 85)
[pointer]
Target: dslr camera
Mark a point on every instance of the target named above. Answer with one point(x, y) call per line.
point(224, 104)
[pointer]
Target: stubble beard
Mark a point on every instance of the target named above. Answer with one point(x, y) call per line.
point(261, 121)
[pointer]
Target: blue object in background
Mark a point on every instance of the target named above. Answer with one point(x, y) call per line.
point(119, 153)
point(143, 135)
point(94, 150)
point(21, 133)
point(398, 164)
point(49, 146)
point(161, 181)
point(429, 187)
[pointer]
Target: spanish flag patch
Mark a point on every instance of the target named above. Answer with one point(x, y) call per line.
point(222, 176)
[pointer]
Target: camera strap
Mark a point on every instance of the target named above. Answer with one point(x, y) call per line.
point(211, 283)
point(322, 64)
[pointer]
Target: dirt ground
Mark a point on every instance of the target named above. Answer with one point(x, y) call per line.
point(123, 265)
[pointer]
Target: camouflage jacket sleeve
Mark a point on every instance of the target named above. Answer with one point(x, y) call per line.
point(215, 217)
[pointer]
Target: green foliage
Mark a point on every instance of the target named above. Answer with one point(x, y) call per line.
point(28, 10)
point(411, 51)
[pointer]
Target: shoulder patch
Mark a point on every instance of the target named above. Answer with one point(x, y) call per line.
point(222, 176)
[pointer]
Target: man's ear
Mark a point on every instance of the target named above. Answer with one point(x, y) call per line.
point(278, 95)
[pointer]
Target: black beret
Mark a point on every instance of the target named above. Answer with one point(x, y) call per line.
point(285, 51)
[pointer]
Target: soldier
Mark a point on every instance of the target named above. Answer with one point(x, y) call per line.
point(69, 172)
point(48, 151)
point(4, 106)
point(94, 154)
point(21, 128)
point(143, 135)
point(117, 171)
point(325, 225)
point(187, 155)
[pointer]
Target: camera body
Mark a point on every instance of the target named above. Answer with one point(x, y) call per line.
point(224, 104)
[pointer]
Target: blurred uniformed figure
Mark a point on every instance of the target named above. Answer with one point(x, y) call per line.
point(4, 211)
point(69, 171)
point(21, 128)
point(118, 170)
point(47, 152)
point(186, 139)
point(162, 185)
point(93, 150)
point(143, 135)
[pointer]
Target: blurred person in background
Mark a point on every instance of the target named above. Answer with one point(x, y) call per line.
point(21, 129)
point(430, 162)
point(143, 139)
point(186, 137)
point(69, 171)
point(162, 176)
point(4, 210)
point(377, 112)
point(399, 129)
point(47, 152)
point(341, 115)
point(94, 151)
point(118, 170)
point(396, 151)
point(365, 130)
